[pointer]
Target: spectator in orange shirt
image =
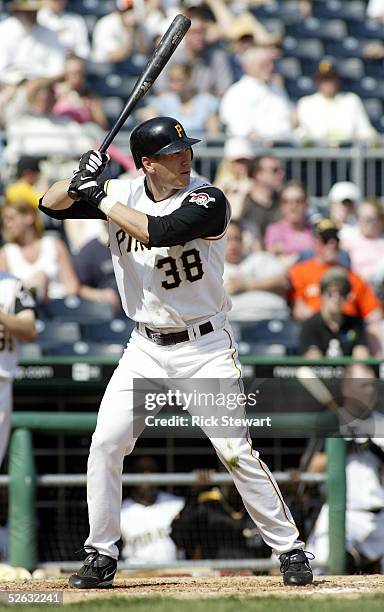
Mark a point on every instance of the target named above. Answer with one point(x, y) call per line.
point(305, 296)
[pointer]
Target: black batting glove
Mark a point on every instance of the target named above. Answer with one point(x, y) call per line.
point(93, 162)
point(83, 185)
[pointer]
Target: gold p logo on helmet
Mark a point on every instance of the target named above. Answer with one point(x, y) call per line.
point(179, 130)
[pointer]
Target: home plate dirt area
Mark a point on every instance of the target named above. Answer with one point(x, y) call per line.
point(208, 587)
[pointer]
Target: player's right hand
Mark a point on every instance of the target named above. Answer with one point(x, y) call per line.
point(84, 185)
point(93, 162)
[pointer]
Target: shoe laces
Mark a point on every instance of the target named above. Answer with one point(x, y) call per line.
point(91, 555)
point(295, 557)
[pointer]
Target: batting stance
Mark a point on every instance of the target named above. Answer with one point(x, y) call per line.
point(17, 322)
point(167, 239)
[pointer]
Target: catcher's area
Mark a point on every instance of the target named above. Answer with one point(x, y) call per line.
point(210, 587)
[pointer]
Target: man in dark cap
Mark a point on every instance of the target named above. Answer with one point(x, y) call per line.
point(305, 280)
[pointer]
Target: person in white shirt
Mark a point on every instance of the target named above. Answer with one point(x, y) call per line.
point(28, 50)
point(119, 34)
point(146, 518)
point(71, 29)
point(375, 10)
point(363, 426)
point(330, 116)
point(252, 281)
point(257, 106)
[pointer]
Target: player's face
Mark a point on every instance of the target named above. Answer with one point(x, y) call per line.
point(171, 171)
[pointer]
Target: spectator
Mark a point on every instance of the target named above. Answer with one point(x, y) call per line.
point(39, 132)
point(119, 35)
point(366, 245)
point(214, 525)
point(71, 29)
point(17, 323)
point(365, 492)
point(94, 269)
point(305, 279)
point(255, 282)
point(293, 234)
point(28, 50)
point(73, 98)
point(330, 332)
point(26, 185)
point(332, 116)
point(375, 10)
point(232, 176)
point(257, 105)
point(146, 518)
point(228, 23)
point(196, 110)
point(211, 65)
point(343, 199)
point(261, 204)
point(41, 262)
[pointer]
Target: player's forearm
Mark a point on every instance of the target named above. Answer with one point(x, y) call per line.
point(21, 326)
point(57, 198)
point(133, 222)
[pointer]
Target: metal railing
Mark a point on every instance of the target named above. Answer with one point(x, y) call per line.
point(23, 482)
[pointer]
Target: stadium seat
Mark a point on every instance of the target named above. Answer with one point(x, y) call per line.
point(374, 108)
point(113, 84)
point(112, 107)
point(289, 67)
point(91, 7)
point(30, 350)
point(366, 88)
point(366, 29)
point(339, 9)
point(261, 349)
point(57, 332)
point(285, 9)
point(84, 349)
point(348, 47)
point(271, 332)
point(331, 29)
point(310, 48)
point(352, 68)
point(297, 88)
point(76, 309)
point(116, 331)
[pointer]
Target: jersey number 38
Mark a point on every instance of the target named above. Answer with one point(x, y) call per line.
point(189, 261)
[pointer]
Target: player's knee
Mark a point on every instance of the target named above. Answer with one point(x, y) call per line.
point(107, 447)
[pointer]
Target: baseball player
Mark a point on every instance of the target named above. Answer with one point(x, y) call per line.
point(167, 239)
point(17, 322)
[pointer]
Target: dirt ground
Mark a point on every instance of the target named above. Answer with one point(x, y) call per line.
point(197, 587)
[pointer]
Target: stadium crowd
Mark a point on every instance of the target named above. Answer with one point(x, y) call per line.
point(65, 69)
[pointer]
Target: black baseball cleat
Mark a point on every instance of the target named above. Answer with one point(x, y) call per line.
point(295, 567)
point(98, 572)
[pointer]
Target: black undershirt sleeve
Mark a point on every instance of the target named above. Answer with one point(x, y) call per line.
point(80, 209)
point(203, 214)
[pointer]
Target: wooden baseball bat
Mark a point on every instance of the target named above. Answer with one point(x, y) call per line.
point(316, 387)
point(155, 65)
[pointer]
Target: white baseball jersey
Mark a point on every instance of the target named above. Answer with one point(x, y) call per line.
point(167, 287)
point(145, 529)
point(11, 293)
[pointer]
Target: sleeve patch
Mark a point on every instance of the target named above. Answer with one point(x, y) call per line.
point(201, 199)
point(26, 300)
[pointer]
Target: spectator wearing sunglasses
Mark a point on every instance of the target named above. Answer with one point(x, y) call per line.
point(330, 332)
point(305, 290)
point(293, 234)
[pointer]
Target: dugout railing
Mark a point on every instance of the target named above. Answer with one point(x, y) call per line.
point(22, 482)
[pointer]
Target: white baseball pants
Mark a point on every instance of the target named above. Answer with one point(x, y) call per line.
point(211, 356)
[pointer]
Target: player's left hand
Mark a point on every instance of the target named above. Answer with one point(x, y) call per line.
point(85, 185)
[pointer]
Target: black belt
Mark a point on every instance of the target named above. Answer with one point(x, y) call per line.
point(169, 339)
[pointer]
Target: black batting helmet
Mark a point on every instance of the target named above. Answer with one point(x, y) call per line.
point(158, 136)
